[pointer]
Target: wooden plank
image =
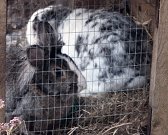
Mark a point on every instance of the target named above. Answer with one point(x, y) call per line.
point(2, 54)
point(144, 11)
point(159, 81)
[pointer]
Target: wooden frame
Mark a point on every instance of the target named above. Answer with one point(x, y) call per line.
point(159, 79)
point(2, 54)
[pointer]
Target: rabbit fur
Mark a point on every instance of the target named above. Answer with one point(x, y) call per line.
point(111, 51)
point(41, 88)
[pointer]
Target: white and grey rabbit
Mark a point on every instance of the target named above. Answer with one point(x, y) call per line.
point(48, 86)
point(111, 50)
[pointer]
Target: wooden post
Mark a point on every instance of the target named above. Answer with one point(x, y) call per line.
point(2, 54)
point(159, 81)
point(144, 11)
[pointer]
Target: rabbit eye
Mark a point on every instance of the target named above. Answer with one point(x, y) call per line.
point(59, 72)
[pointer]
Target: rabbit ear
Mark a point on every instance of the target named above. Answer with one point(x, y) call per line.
point(36, 56)
point(46, 34)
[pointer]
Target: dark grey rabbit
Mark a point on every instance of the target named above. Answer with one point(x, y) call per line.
point(40, 89)
point(111, 50)
point(48, 97)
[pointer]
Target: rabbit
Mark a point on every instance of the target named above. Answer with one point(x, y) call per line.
point(112, 52)
point(41, 86)
point(48, 97)
point(44, 35)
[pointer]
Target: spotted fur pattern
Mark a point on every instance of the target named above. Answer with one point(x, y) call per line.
point(111, 50)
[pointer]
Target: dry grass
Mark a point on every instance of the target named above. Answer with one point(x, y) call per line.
point(123, 113)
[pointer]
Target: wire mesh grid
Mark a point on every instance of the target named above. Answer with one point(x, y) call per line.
point(80, 68)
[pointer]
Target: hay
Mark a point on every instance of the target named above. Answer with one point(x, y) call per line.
point(122, 113)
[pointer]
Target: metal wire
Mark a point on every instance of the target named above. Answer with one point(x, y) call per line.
point(50, 105)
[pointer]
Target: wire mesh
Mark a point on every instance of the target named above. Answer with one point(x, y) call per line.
point(80, 68)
